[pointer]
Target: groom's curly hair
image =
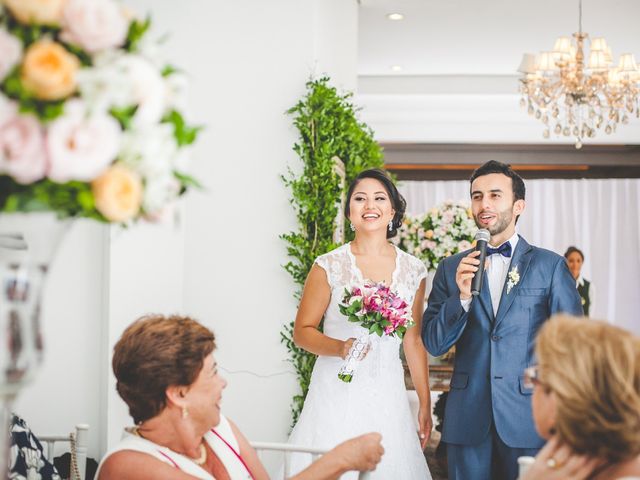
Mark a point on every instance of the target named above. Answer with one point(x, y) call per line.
point(154, 353)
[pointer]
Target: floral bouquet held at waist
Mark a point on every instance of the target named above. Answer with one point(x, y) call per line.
point(377, 308)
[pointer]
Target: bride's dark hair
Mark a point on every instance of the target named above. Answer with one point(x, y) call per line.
point(397, 201)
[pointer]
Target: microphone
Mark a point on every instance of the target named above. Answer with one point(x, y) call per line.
point(482, 238)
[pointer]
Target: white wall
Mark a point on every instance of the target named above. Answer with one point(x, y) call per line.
point(234, 280)
point(248, 61)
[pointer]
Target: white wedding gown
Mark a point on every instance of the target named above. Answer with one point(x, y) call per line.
point(376, 399)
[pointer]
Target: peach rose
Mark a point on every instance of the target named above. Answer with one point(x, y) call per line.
point(49, 71)
point(39, 12)
point(118, 193)
point(94, 25)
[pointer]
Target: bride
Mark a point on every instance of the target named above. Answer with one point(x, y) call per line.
point(375, 399)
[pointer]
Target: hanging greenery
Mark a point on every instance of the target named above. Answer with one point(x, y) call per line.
point(328, 127)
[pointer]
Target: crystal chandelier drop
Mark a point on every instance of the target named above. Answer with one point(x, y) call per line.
point(576, 99)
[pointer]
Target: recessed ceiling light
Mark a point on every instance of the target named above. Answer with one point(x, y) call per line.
point(395, 16)
point(396, 68)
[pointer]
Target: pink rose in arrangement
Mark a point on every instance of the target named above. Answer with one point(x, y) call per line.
point(375, 307)
point(94, 25)
point(22, 152)
point(81, 146)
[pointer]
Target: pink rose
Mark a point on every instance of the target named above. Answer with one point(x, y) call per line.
point(22, 151)
point(10, 52)
point(81, 146)
point(94, 25)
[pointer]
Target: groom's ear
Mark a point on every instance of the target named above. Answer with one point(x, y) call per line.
point(518, 207)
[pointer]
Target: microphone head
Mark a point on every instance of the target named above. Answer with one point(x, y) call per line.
point(483, 234)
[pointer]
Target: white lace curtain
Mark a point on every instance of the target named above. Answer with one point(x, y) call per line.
point(601, 217)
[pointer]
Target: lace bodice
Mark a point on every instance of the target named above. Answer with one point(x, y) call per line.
point(342, 272)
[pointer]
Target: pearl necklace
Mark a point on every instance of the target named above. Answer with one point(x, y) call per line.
point(198, 461)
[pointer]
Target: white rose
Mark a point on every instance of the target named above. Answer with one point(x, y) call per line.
point(123, 80)
point(151, 151)
point(81, 146)
point(176, 86)
point(159, 192)
point(146, 89)
point(104, 86)
point(10, 52)
point(94, 25)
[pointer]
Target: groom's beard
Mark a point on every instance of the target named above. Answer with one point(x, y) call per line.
point(503, 219)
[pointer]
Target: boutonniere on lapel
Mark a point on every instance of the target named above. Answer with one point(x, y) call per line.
point(514, 278)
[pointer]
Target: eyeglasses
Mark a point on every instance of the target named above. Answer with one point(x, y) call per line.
point(532, 376)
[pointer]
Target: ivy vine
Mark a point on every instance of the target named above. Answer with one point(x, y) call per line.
point(328, 127)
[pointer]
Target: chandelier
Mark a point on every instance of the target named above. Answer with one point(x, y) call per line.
point(574, 99)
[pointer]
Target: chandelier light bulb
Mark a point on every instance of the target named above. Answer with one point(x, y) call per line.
point(580, 87)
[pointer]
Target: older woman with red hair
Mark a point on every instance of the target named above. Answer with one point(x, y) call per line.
point(168, 376)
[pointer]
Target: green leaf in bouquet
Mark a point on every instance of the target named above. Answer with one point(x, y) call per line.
point(27, 33)
point(376, 328)
point(169, 70)
point(71, 199)
point(183, 133)
point(186, 182)
point(46, 111)
point(400, 331)
point(83, 56)
point(137, 30)
point(124, 115)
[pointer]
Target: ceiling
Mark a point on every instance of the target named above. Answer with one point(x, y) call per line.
point(472, 37)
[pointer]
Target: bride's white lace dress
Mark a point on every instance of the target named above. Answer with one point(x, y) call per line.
point(376, 399)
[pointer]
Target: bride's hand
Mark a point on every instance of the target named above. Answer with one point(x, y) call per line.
point(346, 346)
point(425, 425)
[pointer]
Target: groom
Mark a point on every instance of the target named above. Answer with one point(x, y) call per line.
point(488, 422)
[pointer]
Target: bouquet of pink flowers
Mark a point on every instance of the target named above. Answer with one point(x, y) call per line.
point(378, 309)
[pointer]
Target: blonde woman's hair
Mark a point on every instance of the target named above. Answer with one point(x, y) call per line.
point(593, 368)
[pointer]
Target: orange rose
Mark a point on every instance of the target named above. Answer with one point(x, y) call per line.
point(118, 193)
point(39, 12)
point(49, 71)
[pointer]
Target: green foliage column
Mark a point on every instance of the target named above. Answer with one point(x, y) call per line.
point(328, 128)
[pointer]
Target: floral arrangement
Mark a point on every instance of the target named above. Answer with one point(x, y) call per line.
point(375, 307)
point(445, 230)
point(378, 309)
point(90, 115)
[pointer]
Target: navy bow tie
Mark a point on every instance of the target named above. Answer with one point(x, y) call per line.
point(504, 249)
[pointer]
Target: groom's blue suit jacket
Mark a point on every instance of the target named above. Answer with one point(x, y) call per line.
point(491, 353)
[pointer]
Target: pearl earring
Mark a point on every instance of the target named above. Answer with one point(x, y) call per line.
point(390, 224)
point(353, 229)
point(185, 413)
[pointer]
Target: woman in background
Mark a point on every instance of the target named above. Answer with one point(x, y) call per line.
point(586, 401)
point(575, 260)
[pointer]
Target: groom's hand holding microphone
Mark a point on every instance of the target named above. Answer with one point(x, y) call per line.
point(470, 270)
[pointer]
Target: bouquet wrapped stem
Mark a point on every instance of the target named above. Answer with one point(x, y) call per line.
point(356, 353)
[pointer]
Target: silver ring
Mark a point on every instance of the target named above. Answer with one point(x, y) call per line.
point(552, 463)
